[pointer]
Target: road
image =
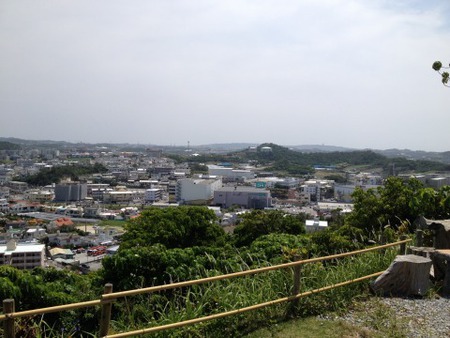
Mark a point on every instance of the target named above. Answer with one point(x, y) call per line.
point(94, 262)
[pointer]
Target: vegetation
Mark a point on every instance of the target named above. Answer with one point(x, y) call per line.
point(397, 205)
point(198, 168)
point(373, 320)
point(9, 146)
point(258, 223)
point(179, 227)
point(295, 163)
point(438, 67)
point(49, 287)
point(51, 175)
point(163, 246)
point(340, 179)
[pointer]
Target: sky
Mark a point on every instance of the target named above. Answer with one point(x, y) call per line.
point(351, 73)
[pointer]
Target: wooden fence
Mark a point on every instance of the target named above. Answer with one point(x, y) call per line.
point(108, 297)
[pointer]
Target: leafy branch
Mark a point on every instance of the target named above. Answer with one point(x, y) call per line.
point(437, 66)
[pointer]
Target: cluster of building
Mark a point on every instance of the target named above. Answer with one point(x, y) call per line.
point(136, 179)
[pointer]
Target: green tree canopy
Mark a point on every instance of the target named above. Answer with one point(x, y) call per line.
point(261, 222)
point(47, 176)
point(396, 202)
point(179, 227)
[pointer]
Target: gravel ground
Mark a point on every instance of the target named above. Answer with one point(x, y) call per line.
point(416, 318)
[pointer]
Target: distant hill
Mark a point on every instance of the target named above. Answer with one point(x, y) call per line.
point(443, 157)
point(4, 145)
point(314, 148)
point(293, 162)
point(233, 151)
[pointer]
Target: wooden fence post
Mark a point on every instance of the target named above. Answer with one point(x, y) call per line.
point(403, 245)
point(296, 285)
point(419, 238)
point(8, 325)
point(106, 312)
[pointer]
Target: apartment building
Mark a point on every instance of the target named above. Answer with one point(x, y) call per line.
point(152, 195)
point(124, 196)
point(70, 192)
point(22, 255)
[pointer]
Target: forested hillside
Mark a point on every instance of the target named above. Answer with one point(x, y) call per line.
point(55, 174)
point(9, 146)
point(295, 163)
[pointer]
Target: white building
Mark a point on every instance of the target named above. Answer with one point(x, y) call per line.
point(35, 233)
point(230, 174)
point(152, 195)
point(124, 196)
point(343, 193)
point(22, 255)
point(313, 225)
point(98, 193)
point(314, 188)
point(41, 196)
point(23, 206)
point(197, 191)
point(438, 182)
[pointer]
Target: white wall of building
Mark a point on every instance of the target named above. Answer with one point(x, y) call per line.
point(190, 189)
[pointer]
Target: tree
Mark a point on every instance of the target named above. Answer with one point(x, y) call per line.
point(437, 66)
point(281, 247)
point(397, 203)
point(258, 223)
point(179, 227)
point(367, 210)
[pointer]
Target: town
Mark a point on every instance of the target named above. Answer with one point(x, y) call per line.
point(74, 223)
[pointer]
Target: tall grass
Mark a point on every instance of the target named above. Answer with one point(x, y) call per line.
point(178, 305)
point(201, 300)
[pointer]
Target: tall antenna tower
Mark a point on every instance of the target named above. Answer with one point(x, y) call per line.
point(189, 147)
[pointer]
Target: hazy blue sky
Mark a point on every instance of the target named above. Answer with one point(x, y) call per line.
point(344, 72)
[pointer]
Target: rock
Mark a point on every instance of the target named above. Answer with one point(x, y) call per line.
point(441, 229)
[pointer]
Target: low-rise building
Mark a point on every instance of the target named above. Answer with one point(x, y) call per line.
point(230, 174)
point(313, 225)
point(124, 196)
point(23, 206)
point(40, 196)
point(61, 253)
point(22, 255)
point(34, 233)
point(152, 195)
point(67, 239)
point(197, 191)
point(245, 197)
